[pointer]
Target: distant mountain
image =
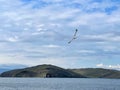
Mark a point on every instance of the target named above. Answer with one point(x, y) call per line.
point(97, 73)
point(54, 71)
point(8, 67)
point(42, 71)
point(3, 70)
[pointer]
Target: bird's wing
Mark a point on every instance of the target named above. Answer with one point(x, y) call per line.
point(75, 32)
point(71, 40)
point(74, 36)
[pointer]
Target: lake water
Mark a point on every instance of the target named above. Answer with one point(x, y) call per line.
point(58, 84)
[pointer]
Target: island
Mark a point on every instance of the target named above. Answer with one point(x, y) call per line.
point(51, 71)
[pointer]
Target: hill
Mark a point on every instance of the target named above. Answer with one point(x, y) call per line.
point(97, 73)
point(42, 71)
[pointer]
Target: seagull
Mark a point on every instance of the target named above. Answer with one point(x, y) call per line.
point(74, 36)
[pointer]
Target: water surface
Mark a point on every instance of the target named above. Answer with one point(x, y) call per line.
point(58, 84)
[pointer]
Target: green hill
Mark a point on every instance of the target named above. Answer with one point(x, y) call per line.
point(97, 73)
point(42, 71)
point(54, 71)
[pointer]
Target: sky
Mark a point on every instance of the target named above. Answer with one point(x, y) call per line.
point(35, 32)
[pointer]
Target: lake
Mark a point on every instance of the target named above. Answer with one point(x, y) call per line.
point(58, 84)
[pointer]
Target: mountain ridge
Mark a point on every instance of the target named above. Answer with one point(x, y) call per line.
point(97, 72)
point(42, 71)
point(51, 71)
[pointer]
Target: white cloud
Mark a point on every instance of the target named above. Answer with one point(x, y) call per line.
point(101, 65)
point(110, 48)
point(51, 46)
point(12, 39)
point(87, 51)
point(21, 60)
point(108, 37)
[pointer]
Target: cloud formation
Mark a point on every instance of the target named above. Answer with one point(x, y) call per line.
point(36, 31)
point(109, 66)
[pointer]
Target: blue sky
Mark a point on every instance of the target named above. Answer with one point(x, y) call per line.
point(34, 32)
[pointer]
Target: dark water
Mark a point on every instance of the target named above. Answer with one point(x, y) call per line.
point(58, 84)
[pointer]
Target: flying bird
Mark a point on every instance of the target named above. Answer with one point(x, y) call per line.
point(74, 36)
